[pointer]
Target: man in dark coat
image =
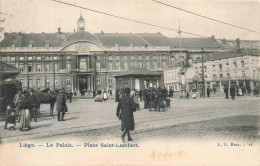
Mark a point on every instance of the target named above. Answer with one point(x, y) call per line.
point(70, 96)
point(232, 92)
point(208, 91)
point(61, 106)
point(52, 102)
point(35, 104)
point(226, 92)
point(125, 109)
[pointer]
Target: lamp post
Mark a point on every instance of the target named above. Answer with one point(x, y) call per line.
point(203, 80)
point(95, 73)
point(54, 77)
point(28, 84)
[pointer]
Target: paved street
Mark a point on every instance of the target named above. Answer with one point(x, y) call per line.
point(203, 118)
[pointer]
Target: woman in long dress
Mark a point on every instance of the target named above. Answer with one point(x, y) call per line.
point(25, 105)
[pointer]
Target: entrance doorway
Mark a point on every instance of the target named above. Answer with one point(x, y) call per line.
point(83, 83)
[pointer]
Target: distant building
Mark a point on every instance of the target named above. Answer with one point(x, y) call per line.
point(83, 61)
point(229, 67)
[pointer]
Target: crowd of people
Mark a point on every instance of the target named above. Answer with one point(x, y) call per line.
point(154, 98)
point(27, 107)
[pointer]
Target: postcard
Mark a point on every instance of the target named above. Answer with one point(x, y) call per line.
point(133, 82)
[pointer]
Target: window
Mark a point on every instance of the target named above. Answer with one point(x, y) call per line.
point(39, 58)
point(213, 66)
point(110, 57)
point(21, 58)
point(47, 58)
point(243, 73)
point(220, 66)
point(228, 74)
point(68, 57)
point(55, 58)
point(235, 64)
point(30, 58)
point(56, 81)
point(155, 65)
point(117, 65)
point(47, 67)
point(221, 75)
point(140, 64)
point(47, 82)
point(125, 57)
point(68, 67)
point(83, 64)
point(4, 58)
point(148, 65)
point(163, 57)
point(139, 57)
point(29, 67)
point(214, 76)
point(55, 67)
point(132, 57)
point(68, 82)
point(242, 63)
point(98, 66)
point(110, 80)
point(117, 57)
point(12, 58)
point(21, 67)
point(109, 65)
point(155, 57)
point(125, 65)
point(163, 64)
point(21, 80)
point(227, 63)
point(98, 80)
point(132, 65)
point(39, 66)
point(39, 82)
point(30, 82)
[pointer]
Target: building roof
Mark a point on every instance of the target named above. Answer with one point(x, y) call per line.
point(61, 39)
point(81, 36)
point(229, 54)
point(138, 72)
point(7, 71)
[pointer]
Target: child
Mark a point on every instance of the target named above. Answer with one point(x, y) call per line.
point(10, 120)
point(168, 102)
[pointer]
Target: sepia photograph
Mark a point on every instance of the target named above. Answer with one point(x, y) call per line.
point(129, 82)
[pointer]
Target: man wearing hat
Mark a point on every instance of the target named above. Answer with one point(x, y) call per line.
point(61, 106)
point(125, 109)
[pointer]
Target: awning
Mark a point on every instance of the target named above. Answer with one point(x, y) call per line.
point(8, 71)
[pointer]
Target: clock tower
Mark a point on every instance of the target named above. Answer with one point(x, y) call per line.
point(81, 24)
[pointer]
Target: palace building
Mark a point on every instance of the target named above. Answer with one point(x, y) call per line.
point(81, 60)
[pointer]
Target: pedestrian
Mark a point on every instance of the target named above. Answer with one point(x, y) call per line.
point(160, 101)
point(214, 90)
point(70, 96)
point(25, 105)
point(208, 91)
point(61, 106)
point(10, 120)
point(125, 111)
point(232, 92)
point(136, 96)
point(117, 95)
point(17, 98)
point(52, 102)
point(105, 97)
point(226, 91)
point(140, 93)
point(34, 106)
point(152, 101)
point(168, 102)
point(110, 91)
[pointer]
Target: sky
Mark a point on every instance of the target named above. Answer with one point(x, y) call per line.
point(47, 15)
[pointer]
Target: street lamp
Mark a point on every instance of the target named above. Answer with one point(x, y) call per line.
point(203, 80)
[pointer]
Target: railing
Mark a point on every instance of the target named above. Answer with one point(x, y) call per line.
point(32, 49)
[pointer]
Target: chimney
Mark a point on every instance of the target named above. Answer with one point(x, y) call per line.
point(238, 43)
point(5, 35)
point(213, 38)
point(59, 30)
